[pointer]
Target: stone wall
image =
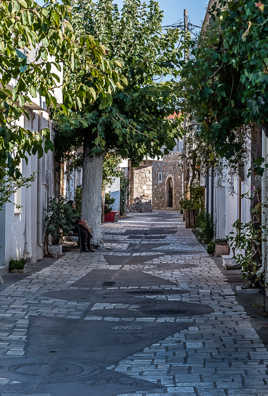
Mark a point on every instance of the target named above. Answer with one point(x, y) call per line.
point(143, 182)
point(162, 172)
point(148, 184)
point(140, 187)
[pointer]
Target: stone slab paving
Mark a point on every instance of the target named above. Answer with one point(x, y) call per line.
point(149, 315)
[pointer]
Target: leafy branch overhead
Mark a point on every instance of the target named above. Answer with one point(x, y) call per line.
point(31, 47)
point(34, 42)
point(132, 119)
point(226, 79)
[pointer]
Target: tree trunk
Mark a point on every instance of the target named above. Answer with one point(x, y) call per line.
point(91, 197)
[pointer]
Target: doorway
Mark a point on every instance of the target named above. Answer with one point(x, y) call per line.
point(169, 192)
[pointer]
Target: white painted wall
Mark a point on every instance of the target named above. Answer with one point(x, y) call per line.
point(114, 190)
point(231, 203)
point(226, 201)
point(24, 227)
point(71, 182)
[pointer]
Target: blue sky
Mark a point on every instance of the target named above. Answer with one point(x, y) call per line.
point(174, 10)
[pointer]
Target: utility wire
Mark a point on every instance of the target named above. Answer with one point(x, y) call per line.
point(180, 25)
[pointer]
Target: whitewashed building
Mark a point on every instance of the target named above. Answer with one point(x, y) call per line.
point(22, 219)
point(232, 197)
point(228, 198)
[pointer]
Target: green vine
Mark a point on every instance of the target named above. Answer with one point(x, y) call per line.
point(246, 241)
point(226, 78)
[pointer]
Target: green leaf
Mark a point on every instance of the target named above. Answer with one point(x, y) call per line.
point(33, 91)
point(93, 93)
point(23, 3)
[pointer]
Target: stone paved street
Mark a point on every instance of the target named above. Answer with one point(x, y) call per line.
point(150, 314)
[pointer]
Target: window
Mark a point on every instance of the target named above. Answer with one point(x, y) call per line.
point(160, 177)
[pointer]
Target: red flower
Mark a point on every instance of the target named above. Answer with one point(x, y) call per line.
point(260, 5)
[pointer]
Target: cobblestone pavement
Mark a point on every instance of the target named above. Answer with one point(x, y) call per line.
point(149, 315)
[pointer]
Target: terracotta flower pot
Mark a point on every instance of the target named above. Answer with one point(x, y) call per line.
point(221, 249)
point(109, 217)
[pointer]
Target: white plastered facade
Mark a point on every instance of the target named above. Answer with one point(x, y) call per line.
point(24, 225)
point(224, 192)
point(22, 228)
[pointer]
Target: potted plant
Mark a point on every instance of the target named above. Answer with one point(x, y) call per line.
point(211, 247)
point(17, 265)
point(109, 214)
point(221, 247)
point(58, 222)
point(192, 206)
point(204, 227)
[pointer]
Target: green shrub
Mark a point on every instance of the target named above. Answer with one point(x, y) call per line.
point(108, 203)
point(17, 264)
point(246, 243)
point(197, 195)
point(196, 202)
point(188, 204)
point(59, 219)
point(204, 227)
point(211, 247)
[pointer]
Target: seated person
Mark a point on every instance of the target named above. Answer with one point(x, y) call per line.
point(84, 230)
point(85, 235)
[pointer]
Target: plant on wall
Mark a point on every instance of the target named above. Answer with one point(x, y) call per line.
point(246, 241)
point(35, 39)
point(226, 76)
point(204, 227)
point(198, 156)
point(196, 200)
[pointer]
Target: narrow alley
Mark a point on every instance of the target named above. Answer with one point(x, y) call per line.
point(147, 315)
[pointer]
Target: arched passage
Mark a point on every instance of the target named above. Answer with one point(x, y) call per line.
point(169, 192)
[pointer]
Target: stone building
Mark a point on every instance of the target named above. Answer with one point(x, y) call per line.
point(155, 184)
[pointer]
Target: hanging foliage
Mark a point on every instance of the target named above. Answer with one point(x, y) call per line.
point(226, 77)
point(35, 40)
point(132, 119)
